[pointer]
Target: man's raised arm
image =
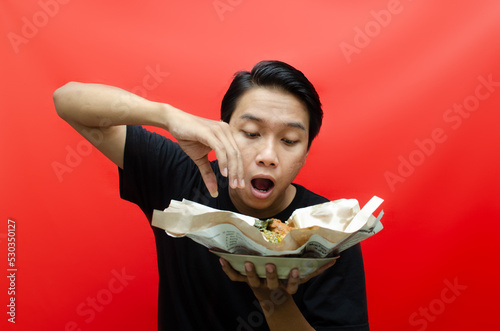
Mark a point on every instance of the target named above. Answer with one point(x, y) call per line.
point(100, 113)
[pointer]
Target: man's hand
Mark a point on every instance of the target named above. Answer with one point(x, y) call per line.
point(275, 295)
point(262, 286)
point(197, 137)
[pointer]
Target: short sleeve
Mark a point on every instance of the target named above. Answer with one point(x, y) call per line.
point(155, 170)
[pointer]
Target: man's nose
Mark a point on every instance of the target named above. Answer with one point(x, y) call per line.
point(267, 155)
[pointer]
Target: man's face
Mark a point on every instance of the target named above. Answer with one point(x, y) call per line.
point(271, 129)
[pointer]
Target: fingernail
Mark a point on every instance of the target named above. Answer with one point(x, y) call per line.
point(235, 183)
point(295, 273)
point(214, 194)
point(242, 183)
point(269, 268)
point(248, 267)
point(222, 263)
point(224, 172)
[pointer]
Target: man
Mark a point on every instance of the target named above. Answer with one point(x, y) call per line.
point(269, 118)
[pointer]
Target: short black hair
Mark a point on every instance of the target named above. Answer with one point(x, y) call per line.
point(280, 75)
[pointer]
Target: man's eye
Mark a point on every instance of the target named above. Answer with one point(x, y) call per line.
point(251, 134)
point(289, 142)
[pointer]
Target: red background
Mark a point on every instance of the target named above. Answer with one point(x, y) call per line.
point(385, 90)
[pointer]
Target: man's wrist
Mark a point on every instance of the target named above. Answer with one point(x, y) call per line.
point(281, 311)
point(275, 299)
point(165, 114)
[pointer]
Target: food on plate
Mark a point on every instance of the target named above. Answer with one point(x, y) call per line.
point(273, 230)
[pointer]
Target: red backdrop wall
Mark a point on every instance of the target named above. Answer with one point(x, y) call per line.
point(411, 93)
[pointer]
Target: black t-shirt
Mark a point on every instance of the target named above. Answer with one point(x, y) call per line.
point(194, 292)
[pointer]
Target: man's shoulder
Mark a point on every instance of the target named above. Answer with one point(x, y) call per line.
point(143, 143)
point(140, 134)
point(308, 197)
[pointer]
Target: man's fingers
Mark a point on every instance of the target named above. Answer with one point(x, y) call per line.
point(199, 136)
point(228, 154)
point(235, 162)
point(293, 281)
point(208, 176)
point(272, 279)
point(230, 272)
point(252, 278)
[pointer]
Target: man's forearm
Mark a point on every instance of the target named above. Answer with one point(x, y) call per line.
point(100, 114)
point(282, 313)
point(96, 105)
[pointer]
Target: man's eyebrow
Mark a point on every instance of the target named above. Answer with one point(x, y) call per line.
point(251, 117)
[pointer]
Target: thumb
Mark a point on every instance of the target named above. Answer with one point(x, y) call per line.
point(208, 176)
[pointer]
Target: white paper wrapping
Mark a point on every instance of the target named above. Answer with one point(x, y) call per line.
point(322, 230)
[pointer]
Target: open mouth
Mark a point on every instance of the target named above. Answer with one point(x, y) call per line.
point(262, 184)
